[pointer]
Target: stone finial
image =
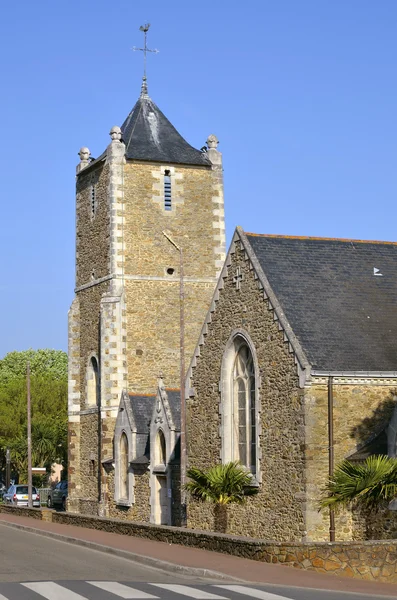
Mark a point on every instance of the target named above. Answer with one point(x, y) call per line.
point(213, 153)
point(212, 141)
point(115, 133)
point(84, 154)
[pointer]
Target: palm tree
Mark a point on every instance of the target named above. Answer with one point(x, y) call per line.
point(221, 485)
point(366, 484)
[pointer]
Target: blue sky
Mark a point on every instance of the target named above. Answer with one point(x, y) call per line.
point(302, 96)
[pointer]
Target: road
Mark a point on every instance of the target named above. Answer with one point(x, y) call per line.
point(33, 567)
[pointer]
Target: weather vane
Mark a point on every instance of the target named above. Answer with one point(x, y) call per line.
point(145, 50)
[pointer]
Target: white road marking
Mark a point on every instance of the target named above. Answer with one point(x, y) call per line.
point(121, 590)
point(252, 592)
point(188, 591)
point(53, 591)
point(3, 597)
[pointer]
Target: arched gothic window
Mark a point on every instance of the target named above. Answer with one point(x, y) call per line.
point(239, 391)
point(244, 420)
point(93, 382)
point(123, 468)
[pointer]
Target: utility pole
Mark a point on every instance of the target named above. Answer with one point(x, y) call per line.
point(8, 468)
point(30, 503)
point(331, 451)
point(182, 380)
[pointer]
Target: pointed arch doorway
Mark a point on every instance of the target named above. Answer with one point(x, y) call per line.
point(161, 501)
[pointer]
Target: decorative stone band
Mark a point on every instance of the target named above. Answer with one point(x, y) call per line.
point(384, 378)
point(145, 278)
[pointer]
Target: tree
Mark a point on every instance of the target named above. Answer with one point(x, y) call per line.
point(49, 408)
point(53, 363)
point(221, 485)
point(365, 485)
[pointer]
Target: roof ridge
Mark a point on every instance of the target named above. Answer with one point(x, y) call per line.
point(327, 239)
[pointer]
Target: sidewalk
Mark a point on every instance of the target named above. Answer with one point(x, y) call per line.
point(172, 557)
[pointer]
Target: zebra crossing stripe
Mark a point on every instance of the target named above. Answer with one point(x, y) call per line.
point(121, 590)
point(52, 591)
point(252, 592)
point(189, 591)
point(3, 597)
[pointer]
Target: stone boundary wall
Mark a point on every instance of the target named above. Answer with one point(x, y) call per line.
point(373, 560)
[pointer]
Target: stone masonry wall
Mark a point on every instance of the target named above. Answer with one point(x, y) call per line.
point(361, 409)
point(92, 232)
point(152, 294)
point(92, 263)
point(153, 329)
point(277, 512)
point(189, 223)
point(140, 510)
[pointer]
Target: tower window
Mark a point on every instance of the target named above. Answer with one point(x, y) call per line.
point(167, 190)
point(93, 200)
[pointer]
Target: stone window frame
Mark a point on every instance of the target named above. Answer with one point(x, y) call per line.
point(88, 379)
point(119, 500)
point(227, 394)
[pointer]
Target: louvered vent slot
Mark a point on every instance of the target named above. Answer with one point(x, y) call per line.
point(93, 201)
point(167, 191)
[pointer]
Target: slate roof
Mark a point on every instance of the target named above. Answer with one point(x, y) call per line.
point(174, 400)
point(343, 315)
point(148, 135)
point(141, 408)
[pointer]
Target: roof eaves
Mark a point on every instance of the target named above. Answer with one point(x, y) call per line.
point(359, 374)
point(319, 239)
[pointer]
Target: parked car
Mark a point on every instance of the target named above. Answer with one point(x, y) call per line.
point(57, 496)
point(17, 495)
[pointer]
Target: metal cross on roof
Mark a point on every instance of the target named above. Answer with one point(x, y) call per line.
point(145, 50)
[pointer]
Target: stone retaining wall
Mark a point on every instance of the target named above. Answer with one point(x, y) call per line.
point(375, 560)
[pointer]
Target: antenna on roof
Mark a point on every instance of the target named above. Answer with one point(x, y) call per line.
point(145, 50)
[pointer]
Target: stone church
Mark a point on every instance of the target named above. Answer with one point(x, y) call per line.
point(270, 332)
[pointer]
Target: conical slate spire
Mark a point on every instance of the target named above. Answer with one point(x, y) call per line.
point(148, 135)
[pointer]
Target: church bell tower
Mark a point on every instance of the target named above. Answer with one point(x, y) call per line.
point(149, 185)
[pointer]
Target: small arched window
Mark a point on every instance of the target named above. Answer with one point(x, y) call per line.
point(161, 452)
point(167, 191)
point(93, 383)
point(123, 469)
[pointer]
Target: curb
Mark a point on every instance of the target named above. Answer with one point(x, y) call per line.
point(148, 561)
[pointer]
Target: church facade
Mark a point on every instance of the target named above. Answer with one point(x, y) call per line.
point(291, 321)
point(148, 187)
